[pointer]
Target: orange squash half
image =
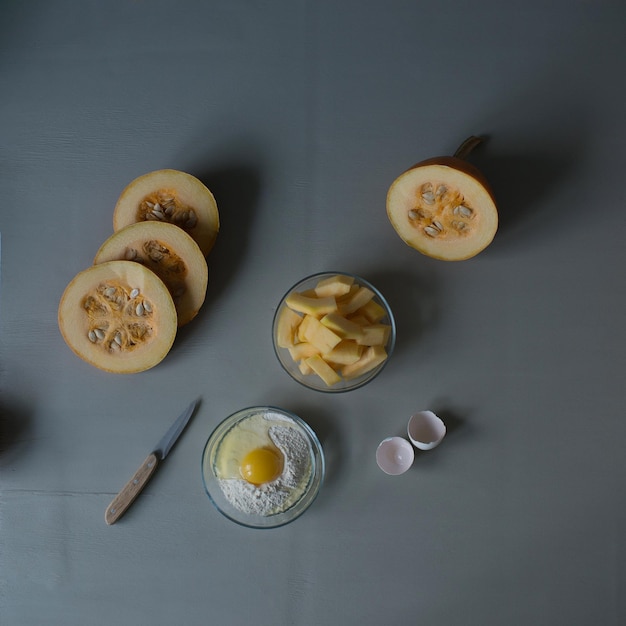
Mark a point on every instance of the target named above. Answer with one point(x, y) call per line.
point(443, 207)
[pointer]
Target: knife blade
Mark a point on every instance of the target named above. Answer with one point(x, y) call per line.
point(133, 487)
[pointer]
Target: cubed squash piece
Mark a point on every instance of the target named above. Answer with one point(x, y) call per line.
point(305, 369)
point(371, 358)
point(323, 370)
point(357, 300)
point(361, 320)
point(344, 353)
point(334, 286)
point(311, 306)
point(374, 335)
point(343, 327)
point(286, 326)
point(316, 333)
point(302, 329)
point(373, 311)
point(302, 350)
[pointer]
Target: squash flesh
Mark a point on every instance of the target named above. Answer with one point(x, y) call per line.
point(118, 316)
point(443, 208)
point(171, 254)
point(193, 206)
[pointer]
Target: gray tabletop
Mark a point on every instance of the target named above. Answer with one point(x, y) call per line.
point(298, 116)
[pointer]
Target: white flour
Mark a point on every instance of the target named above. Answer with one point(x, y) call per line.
point(277, 495)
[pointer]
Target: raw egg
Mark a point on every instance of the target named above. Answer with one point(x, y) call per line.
point(261, 465)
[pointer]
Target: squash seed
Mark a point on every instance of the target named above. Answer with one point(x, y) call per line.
point(192, 221)
point(119, 300)
point(463, 211)
point(164, 205)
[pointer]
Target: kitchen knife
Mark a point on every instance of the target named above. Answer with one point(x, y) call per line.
point(133, 487)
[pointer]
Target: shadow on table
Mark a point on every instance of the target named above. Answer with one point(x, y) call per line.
point(545, 156)
point(521, 183)
point(414, 300)
point(236, 186)
point(15, 425)
point(324, 424)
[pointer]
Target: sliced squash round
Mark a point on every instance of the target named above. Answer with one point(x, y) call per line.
point(171, 254)
point(443, 207)
point(118, 316)
point(170, 196)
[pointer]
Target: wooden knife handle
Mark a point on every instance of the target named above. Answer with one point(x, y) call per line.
point(131, 489)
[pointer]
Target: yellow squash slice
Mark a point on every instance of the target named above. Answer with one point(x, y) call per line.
point(171, 254)
point(170, 196)
point(118, 316)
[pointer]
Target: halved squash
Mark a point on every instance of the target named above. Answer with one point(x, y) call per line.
point(443, 207)
point(118, 316)
point(170, 196)
point(171, 254)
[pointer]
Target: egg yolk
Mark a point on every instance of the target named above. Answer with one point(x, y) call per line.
point(261, 465)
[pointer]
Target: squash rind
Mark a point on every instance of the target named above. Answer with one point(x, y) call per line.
point(178, 242)
point(456, 173)
point(74, 323)
point(189, 189)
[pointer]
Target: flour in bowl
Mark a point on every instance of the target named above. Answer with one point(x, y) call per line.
point(278, 495)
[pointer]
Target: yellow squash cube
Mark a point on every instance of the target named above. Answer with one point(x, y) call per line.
point(373, 311)
point(355, 301)
point(305, 369)
point(302, 350)
point(345, 352)
point(317, 334)
point(286, 326)
point(334, 286)
point(372, 357)
point(311, 306)
point(343, 327)
point(374, 335)
point(323, 370)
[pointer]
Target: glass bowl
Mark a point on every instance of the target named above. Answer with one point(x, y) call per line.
point(242, 502)
point(312, 380)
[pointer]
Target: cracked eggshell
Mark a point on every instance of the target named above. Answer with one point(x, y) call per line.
point(426, 430)
point(394, 455)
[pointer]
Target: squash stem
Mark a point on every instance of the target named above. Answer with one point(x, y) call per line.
point(467, 146)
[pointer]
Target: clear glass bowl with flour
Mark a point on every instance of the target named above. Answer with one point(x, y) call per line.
point(262, 467)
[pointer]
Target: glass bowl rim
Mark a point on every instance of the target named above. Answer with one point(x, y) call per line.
point(315, 482)
point(369, 376)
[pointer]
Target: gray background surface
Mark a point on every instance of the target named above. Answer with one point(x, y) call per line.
point(299, 115)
